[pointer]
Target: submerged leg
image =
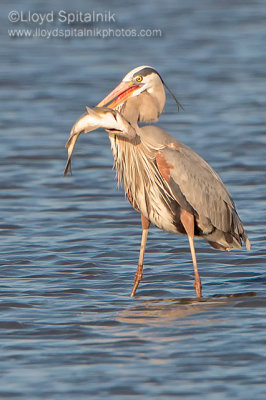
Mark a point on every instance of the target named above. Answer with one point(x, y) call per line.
point(187, 220)
point(138, 276)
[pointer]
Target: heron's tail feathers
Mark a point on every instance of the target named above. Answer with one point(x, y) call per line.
point(229, 240)
point(223, 241)
point(245, 239)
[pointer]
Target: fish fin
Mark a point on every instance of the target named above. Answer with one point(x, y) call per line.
point(67, 143)
point(92, 112)
point(68, 168)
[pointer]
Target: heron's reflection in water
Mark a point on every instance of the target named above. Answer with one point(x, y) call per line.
point(158, 312)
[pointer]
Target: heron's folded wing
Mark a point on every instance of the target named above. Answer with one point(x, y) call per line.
point(194, 182)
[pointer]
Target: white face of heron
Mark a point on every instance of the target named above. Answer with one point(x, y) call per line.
point(140, 81)
point(144, 76)
point(129, 76)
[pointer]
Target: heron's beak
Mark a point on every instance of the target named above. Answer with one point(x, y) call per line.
point(119, 95)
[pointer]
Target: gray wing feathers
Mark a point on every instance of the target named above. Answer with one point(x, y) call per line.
point(196, 186)
point(201, 186)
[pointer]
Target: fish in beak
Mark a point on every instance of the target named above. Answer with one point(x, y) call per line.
point(119, 95)
point(99, 117)
point(87, 123)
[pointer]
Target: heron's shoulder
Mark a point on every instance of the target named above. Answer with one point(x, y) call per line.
point(155, 134)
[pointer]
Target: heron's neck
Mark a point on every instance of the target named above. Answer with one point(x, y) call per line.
point(143, 108)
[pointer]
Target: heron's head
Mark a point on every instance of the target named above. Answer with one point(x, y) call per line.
point(140, 96)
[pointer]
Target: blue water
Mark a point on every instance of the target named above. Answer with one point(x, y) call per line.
point(69, 246)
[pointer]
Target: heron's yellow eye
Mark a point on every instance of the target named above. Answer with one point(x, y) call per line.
point(139, 78)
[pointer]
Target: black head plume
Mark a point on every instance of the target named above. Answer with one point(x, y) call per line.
point(172, 94)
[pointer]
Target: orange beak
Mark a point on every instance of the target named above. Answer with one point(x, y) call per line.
point(119, 95)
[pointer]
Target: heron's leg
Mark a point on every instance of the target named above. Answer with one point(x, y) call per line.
point(187, 220)
point(138, 276)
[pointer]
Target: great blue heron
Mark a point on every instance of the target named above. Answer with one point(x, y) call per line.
point(167, 182)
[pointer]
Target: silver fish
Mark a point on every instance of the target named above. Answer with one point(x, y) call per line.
point(99, 117)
